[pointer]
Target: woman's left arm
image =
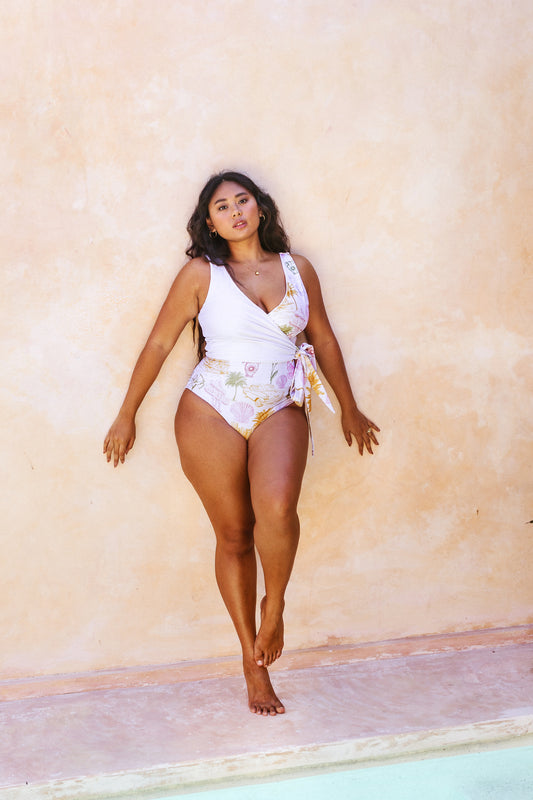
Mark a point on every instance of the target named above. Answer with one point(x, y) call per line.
point(329, 356)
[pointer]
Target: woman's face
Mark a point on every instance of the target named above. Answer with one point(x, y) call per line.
point(233, 212)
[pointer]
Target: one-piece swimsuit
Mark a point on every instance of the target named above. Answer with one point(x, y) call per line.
point(252, 365)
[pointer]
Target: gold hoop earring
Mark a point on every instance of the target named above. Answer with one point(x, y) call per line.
point(213, 234)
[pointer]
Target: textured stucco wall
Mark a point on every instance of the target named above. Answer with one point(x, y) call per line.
point(395, 137)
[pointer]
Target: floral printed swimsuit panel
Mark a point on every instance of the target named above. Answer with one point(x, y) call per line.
point(252, 366)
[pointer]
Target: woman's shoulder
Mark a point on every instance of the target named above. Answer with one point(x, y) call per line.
point(301, 261)
point(305, 268)
point(197, 270)
point(198, 265)
point(192, 278)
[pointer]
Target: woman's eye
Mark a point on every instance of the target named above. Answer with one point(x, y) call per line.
point(221, 208)
point(243, 200)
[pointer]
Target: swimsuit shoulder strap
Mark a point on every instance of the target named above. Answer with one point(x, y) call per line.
point(291, 269)
point(288, 262)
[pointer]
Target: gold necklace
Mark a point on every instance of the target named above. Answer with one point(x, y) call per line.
point(256, 272)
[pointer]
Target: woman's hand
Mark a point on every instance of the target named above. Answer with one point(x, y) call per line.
point(120, 439)
point(354, 423)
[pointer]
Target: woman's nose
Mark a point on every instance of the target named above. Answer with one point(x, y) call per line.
point(236, 211)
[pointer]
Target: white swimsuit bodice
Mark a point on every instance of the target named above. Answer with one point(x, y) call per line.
point(235, 328)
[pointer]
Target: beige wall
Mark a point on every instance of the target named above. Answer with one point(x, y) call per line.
point(395, 137)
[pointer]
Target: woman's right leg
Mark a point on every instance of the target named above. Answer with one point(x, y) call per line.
point(214, 457)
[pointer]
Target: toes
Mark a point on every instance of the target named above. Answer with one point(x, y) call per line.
point(263, 659)
point(269, 658)
point(267, 710)
point(259, 656)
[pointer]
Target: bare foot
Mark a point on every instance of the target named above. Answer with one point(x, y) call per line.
point(269, 641)
point(261, 696)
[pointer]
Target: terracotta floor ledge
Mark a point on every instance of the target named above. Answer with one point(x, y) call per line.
point(148, 741)
point(131, 677)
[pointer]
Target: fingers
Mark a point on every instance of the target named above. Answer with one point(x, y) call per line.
point(365, 437)
point(120, 454)
point(112, 451)
point(369, 438)
point(116, 449)
point(359, 438)
point(369, 435)
point(356, 425)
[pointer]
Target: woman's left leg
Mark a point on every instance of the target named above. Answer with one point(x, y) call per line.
point(277, 454)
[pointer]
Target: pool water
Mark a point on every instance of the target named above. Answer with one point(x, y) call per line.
point(491, 775)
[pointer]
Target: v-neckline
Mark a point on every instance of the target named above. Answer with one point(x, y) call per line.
point(268, 313)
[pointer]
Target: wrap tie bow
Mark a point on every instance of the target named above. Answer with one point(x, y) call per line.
point(305, 380)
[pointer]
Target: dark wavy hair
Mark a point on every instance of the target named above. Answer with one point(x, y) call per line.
point(272, 236)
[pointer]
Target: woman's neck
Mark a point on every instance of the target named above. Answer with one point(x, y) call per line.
point(246, 252)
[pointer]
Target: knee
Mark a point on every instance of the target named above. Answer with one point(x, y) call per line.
point(235, 540)
point(276, 506)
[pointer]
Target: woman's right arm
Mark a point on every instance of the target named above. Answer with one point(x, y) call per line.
point(184, 300)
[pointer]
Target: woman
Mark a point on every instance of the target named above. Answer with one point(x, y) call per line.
point(242, 422)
